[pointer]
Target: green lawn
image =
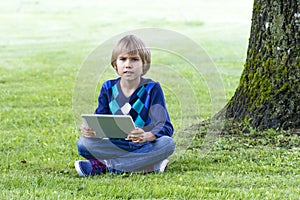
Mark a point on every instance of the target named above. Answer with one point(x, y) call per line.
point(44, 44)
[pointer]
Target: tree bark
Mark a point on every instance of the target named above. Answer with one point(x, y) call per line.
point(268, 95)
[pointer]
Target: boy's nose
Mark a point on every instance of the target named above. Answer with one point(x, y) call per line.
point(128, 64)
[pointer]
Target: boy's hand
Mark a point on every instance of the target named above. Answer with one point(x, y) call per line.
point(87, 131)
point(138, 135)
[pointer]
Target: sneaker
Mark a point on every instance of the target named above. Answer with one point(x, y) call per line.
point(89, 167)
point(159, 167)
point(163, 166)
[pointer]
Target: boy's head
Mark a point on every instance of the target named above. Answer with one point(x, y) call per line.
point(130, 44)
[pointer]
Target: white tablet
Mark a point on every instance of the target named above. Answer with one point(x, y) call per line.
point(109, 126)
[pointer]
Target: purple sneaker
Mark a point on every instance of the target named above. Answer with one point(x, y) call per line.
point(89, 167)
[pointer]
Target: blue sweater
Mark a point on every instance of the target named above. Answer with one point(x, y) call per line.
point(146, 105)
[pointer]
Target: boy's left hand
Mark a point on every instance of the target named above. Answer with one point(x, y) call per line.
point(138, 135)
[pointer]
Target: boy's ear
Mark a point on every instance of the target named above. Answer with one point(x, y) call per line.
point(114, 66)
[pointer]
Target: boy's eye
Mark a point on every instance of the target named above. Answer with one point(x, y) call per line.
point(130, 58)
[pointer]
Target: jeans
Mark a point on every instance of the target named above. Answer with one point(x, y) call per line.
point(126, 156)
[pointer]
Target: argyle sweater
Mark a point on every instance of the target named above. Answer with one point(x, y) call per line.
point(146, 105)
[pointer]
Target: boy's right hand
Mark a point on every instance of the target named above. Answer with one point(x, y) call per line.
point(87, 131)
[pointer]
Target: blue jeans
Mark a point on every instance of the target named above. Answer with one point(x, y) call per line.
point(126, 156)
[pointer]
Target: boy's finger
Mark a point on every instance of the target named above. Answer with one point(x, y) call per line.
point(137, 131)
point(89, 134)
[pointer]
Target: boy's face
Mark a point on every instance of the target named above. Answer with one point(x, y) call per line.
point(129, 66)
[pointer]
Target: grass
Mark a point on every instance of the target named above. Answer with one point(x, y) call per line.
point(44, 45)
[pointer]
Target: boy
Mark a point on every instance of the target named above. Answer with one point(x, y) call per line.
point(148, 146)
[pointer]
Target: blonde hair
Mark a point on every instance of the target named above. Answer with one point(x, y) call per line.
point(131, 44)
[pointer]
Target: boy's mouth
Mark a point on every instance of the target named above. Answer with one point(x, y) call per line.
point(127, 72)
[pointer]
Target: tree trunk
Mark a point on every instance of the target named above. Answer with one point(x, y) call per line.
point(268, 95)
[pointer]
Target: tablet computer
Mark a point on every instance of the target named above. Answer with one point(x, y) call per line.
point(109, 126)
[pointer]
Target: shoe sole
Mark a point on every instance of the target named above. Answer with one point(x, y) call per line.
point(163, 166)
point(78, 169)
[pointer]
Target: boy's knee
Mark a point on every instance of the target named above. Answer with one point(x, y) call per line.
point(82, 150)
point(168, 141)
point(172, 145)
point(80, 144)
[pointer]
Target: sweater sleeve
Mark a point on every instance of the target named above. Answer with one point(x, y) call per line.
point(159, 114)
point(103, 105)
